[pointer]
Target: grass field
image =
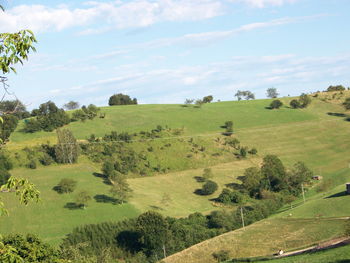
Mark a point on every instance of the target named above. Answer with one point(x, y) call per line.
point(310, 135)
point(261, 239)
point(208, 119)
point(335, 255)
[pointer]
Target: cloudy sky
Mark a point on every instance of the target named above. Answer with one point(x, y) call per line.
point(164, 51)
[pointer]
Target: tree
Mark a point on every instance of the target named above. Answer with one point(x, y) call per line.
point(208, 99)
point(67, 148)
point(188, 101)
point(229, 128)
point(222, 255)
point(209, 188)
point(9, 125)
point(295, 104)
point(82, 199)
point(346, 104)
point(276, 104)
point(15, 108)
point(120, 189)
point(304, 100)
point(199, 103)
point(28, 248)
point(121, 99)
point(72, 105)
point(251, 181)
point(207, 174)
point(274, 174)
point(247, 95)
point(23, 189)
point(272, 93)
point(153, 230)
point(298, 175)
point(66, 185)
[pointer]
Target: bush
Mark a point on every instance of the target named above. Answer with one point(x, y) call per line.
point(209, 188)
point(4, 176)
point(66, 185)
point(243, 152)
point(227, 197)
point(32, 164)
point(221, 255)
point(46, 160)
point(253, 151)
point(276, 104)
point(295, 104)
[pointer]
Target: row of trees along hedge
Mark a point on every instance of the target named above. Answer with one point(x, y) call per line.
point(49, 117)
point(121, 99)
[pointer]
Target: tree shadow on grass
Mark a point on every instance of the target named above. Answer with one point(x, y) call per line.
point(156, 207)
point(234, 186)
point(336, 114)
point(72, 206)
point(106, 199)
point(340, 194)
point(57, 189)
point(103, 177)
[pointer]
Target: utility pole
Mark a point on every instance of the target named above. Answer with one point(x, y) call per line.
point(242, 217)
point(302, 189)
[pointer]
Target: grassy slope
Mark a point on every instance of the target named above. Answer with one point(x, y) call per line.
point(336, 255)
point(208, 119)
point(292, 134)
point(263, 238)
point(49, 218)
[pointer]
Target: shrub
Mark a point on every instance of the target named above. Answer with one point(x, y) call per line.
point(227, 196)
point(243, 152)
point(46, 160)
point(221, 255)
point(4, 176)
point(276, 104)
point(66, 185)
point(209, 188)
point(295, 104)
point(253, 151)
point(31, 164)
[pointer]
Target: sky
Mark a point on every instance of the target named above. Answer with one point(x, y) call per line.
point(164, 51)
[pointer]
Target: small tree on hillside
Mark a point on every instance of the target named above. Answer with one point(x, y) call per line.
point(304, 100)
point(208, 99)
point(272, 93)
point(276, 104)
point(67, 148)
point(209, 188)
point(199, 103)
point(295, 104)
point(207, 174)
point(82, 199)
point(66, 185)
point(121, 190)
point(72, 105)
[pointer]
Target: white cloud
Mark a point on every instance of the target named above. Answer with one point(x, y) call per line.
point(264, 3)
point(198, 39)
point(115, 14)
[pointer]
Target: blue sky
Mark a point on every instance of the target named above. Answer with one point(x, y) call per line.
point(164, 51)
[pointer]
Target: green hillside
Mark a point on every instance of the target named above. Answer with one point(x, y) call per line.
point(310, 135)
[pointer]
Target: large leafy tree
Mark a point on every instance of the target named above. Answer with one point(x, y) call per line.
point(274, 173)
point(67, 148)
